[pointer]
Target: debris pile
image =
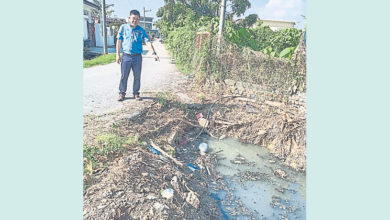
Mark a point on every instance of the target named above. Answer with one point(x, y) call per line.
point(172, 178)
point(280, 128)
point(141, 185)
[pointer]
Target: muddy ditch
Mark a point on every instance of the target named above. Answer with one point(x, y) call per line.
point(130, 183)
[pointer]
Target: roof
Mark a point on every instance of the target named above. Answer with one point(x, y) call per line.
point(93, 5)
point(292, 22)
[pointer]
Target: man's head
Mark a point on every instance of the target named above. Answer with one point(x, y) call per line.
point(134, 18)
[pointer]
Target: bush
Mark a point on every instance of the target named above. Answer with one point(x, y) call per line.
point(254, 55)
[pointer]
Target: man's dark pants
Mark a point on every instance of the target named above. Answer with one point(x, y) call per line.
point(130, 62)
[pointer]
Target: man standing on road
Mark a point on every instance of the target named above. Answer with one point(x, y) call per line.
point(130, 37)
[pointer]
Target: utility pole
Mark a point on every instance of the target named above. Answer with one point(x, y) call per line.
point(145, 16)
point(104, 28)
point(221, 23)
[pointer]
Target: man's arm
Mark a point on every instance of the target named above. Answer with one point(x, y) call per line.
point(151, 48)
point(118, 51)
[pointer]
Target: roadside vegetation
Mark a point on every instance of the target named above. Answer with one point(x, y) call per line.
point(179, 20)
point(100, 60)
point(249, 52)
point(108, 146)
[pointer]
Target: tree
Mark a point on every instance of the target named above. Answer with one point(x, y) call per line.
point(209, 8)
point(175, 12)
point(250, 20)
point(239, 7)
point(109, 11)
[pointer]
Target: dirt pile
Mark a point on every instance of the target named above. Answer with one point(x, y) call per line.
point(131, 189)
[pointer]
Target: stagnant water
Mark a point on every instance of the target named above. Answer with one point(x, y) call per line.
point(251, 183)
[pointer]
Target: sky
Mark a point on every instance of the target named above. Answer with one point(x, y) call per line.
point(286, 10)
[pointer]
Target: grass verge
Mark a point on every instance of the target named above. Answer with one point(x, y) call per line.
point(100, 60)
point(96, 157)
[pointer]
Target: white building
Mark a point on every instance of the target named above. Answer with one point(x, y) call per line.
point(146, 23)
point(93, 35)
point(277, 25)
point(89, 9)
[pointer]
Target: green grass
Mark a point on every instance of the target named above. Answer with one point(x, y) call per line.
point(96, 157)
point(100, 60)
point(163, 97)
point(108, 147)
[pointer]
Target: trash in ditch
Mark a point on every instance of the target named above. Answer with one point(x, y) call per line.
point(159, 207)
point(154, 150)
point(184, 141)
point(202, 121)
point(222, 137)
point(151, 197)
point(192, 167)
point(163, 158)
point(203, 147)
point(192, 199)
point(167, 193)
point(280, 173)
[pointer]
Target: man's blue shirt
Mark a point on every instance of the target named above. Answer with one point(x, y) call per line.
point(132, 38)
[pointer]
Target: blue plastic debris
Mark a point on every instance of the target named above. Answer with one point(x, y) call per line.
point(192, 167)
point(225, 215)
point(154, 150)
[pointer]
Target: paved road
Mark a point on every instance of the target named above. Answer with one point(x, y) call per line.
point(101, 82)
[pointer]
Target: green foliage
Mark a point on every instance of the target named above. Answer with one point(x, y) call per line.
point(131, 141)
point(262, 38)
point(163, 98)
point(285, 38)
point(100, 60)
point(182, 19)
point(175, 13)
point(109, 144)
point(241, 36)
point(287, 53)
point(96, 157)
point(249, 20)
point(202, 97)
point(172, 152)
point(240, 6)
point(262, 35)
point(181, 41)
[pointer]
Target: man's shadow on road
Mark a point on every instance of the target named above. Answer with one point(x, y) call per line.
point(143, 98)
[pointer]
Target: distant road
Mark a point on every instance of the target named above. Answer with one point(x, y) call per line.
point(101, 82)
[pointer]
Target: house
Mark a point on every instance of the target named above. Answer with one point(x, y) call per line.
point(276, 25)
point(116, 20)
point(91, 12)
point(93, 33)
point(146, 23)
